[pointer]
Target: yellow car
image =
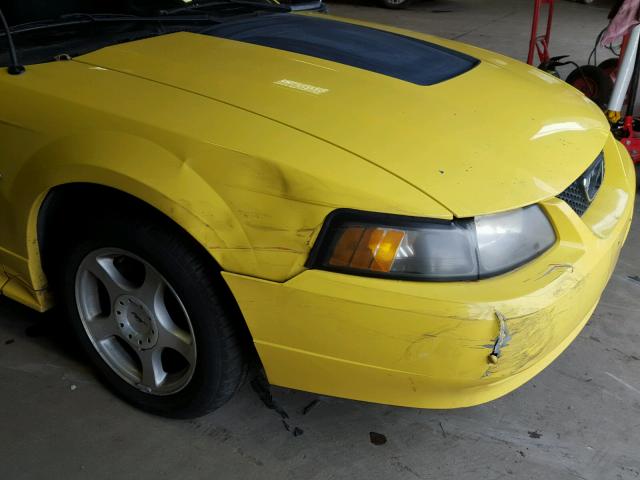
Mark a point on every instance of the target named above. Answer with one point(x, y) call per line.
point(377, 214)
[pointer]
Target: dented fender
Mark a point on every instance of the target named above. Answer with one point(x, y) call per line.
point(433, 345)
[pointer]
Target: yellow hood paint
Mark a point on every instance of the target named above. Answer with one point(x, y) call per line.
point(508, 135)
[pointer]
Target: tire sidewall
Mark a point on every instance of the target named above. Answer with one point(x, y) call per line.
point(199, 395)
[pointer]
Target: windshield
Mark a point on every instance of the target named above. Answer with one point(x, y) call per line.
point(43, 30)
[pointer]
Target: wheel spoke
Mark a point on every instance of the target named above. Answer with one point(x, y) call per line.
point(152, 372)
point(105, 271)
point(177, 339)
point(151, 290)
point(170, 335)
point(102, 328)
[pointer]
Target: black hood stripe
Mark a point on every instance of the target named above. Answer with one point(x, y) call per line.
point(387, 53)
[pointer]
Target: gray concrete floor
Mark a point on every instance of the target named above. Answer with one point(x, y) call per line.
point(500, 25)
point(579, 419)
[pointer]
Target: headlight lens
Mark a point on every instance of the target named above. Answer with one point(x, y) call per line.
point(411, 248)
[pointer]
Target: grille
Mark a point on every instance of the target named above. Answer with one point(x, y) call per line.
point(575, 197)
point(581, 193)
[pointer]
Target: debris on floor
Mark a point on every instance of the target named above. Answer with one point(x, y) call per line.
point(377, 438)
point(261, 386)
point(444, 434)
point(310, 406)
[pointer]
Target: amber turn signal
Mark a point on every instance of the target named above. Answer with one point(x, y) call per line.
point(370, 248)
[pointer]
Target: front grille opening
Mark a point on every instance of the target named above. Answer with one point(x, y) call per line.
point(581, 193)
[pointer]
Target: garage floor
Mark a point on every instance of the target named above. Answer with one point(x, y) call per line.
point(579, 419)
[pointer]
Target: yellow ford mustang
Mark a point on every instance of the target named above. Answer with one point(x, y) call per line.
point(384, 215)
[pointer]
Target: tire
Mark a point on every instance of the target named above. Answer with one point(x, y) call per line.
point(113, 305)
point(610, 67)
point(395, 4)
point(593, 82)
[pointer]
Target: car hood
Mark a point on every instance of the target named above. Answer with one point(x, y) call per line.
point(483, 136)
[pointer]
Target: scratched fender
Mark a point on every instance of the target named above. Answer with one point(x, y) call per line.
point(430, 345)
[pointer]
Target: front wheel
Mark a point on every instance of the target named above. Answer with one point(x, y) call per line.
point(148, 312)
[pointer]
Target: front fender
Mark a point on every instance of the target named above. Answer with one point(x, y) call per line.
point(254, 192)
point(142, 169)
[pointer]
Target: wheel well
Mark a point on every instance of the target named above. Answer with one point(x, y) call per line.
point(61, 216)
point(65, 207)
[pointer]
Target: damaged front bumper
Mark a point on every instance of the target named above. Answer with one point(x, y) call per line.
point(441, 345)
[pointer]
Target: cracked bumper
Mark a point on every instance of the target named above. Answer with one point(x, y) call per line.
point(427, 344)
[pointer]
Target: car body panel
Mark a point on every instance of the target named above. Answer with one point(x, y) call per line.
point(249, 148)
point(3, 279)
point(257, 219)
point(437, 137)
point(422, 344)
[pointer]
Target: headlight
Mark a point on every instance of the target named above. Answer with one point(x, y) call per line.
point(412, 248)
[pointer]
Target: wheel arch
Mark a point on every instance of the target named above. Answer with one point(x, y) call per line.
point(63, 204)
point(69, 202)
point(134, 170)
point(54, 210)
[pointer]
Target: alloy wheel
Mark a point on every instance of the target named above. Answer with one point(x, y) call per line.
point(136, 321)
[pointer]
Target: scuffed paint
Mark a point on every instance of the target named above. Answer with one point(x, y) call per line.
point(557, 266)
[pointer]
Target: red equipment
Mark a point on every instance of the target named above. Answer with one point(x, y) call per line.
point(594, 81)
point(540, 42)
point(626, 131)
point(631, 138)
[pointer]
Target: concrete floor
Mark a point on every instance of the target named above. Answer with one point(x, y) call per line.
point(579, 419)
point(500, 25)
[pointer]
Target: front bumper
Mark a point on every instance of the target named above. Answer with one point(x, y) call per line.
point(427, 344)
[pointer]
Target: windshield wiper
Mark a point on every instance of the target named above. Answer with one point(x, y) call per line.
point(276, 7)
point(85, 18)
